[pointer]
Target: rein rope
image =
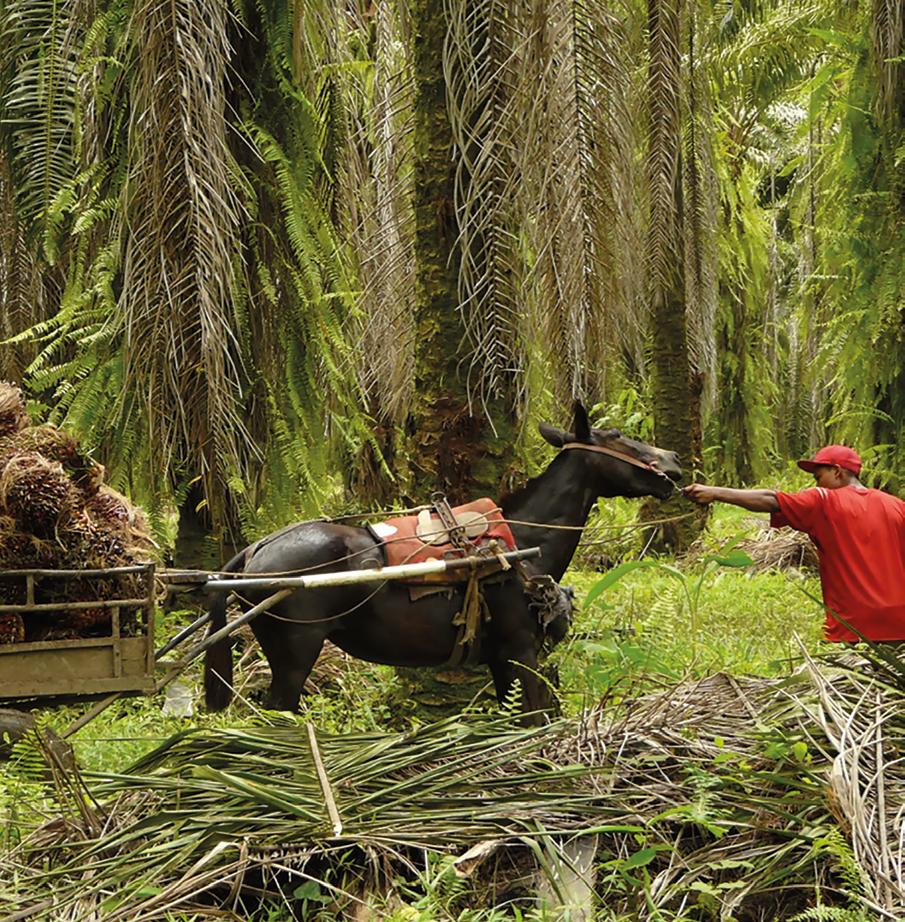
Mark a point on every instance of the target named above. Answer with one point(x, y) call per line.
point(354, 516)
point(522, 522)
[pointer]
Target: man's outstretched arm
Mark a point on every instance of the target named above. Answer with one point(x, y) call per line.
point(753, 500)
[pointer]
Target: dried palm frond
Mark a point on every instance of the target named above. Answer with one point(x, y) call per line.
point(481, 70)
point(539, 95)
point(863, 724)
point(576, 156)
point(781, 549)
point(769, 549)
point(664, 94)
point(13, 415)
point(469, 782)
point(760, 793)
point(377, 186)
point(700, 220)
point(178, 293)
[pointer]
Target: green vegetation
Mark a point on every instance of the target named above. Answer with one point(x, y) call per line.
point(410, 233)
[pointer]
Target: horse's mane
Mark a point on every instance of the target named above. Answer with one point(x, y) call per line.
point(521, 494)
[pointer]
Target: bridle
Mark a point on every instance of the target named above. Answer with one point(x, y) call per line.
point(613, 453)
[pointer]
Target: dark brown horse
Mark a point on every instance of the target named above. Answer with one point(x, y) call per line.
point(384, 626)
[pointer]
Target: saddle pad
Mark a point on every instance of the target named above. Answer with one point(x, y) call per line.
point(415, 539)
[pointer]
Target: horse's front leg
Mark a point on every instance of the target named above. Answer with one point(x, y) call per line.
point(291, 650)
point(511, 664)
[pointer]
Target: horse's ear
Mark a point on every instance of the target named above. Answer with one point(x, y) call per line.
point(556, 437)
point(582, 425)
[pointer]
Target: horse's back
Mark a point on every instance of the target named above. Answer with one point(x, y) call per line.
point(314, 547)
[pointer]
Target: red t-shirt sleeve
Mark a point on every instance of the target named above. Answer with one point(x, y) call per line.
point(802, 511)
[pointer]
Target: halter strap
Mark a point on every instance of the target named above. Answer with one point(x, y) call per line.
point(613, 453)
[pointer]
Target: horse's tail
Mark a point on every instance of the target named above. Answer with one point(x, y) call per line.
point(218, 661)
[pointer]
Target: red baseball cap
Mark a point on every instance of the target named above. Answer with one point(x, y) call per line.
point(834, 456)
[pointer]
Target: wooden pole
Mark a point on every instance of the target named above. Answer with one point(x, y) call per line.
point(373, 575)
point(185, 633)
point(222, 634)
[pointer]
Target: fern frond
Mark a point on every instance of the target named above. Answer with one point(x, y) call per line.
point(39, 42)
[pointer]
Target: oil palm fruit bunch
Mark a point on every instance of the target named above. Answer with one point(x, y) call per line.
point(112, 512)
point(37, 493)
point(57, 513)
point(22, 551)
point(13, 415)
point(56, 445)
point(12, 627)
point(83, 545)
point(80, 621)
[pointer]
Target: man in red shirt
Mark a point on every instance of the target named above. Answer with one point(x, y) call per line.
point(859, 535)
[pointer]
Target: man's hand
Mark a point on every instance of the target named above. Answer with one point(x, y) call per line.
point(701, 493)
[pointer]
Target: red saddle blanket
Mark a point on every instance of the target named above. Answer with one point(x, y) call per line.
point(422, 537)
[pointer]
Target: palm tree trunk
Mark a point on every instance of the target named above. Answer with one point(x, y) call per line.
point(454, 449)
point(676, 398)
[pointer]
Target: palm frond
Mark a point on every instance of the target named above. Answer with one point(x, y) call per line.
point(887, 35)
point(700, 222)
point(39, 48)
point(378, 198)
point(21, 292)
point(663, 148)
point(182, 219)
point(763, 794)
point(480, 67)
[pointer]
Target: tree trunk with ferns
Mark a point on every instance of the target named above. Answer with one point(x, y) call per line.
point(676, 396)
point(453, 446)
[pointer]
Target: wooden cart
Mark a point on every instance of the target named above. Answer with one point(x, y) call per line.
point(113, 662)
point(118, 663)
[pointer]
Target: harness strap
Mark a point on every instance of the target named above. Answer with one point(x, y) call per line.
point(613, 453)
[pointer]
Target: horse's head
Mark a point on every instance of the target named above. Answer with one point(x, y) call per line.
point(620, 466)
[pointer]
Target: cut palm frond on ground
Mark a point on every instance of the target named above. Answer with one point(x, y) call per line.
point(759, 798)
point(771, 549)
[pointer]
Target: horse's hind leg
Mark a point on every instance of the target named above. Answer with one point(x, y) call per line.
point(291, 650)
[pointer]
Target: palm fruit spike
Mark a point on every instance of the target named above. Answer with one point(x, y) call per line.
point(13, 415)
point(12, 627)
point(36, 493)
point(90, 478)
